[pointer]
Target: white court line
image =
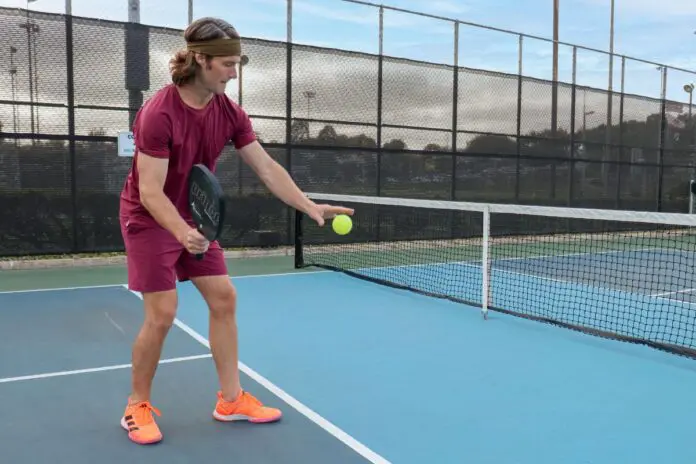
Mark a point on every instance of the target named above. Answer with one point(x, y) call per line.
point(598, 289)
point(686, 290)
point(282, 274)
point(60, 289)
point(120, 329)
point(98, 369)
point(296, 273)
point(285, 274)
point(342, 436)
point(88, 287)
point(569, 255)
point(674, 301)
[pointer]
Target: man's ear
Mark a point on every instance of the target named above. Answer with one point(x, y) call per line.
point(201, 59)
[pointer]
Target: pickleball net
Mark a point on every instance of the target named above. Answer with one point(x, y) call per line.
point(625, 275)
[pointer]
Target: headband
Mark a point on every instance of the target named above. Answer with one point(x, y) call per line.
point(217, 47)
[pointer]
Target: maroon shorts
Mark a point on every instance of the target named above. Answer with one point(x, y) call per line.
point(156, 259)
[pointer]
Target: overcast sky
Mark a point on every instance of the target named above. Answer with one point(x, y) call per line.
point(346, 86)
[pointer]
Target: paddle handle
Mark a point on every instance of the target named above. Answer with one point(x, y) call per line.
point(199, 256)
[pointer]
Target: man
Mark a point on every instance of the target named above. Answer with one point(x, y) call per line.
point(188, 122)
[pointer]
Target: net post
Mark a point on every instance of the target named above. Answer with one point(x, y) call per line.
point(299, 258)
point(692, 193)
point(485, 261)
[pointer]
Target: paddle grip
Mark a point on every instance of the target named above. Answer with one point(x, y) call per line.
point(200, 255)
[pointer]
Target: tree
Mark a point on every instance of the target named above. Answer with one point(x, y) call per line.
point(395, 144)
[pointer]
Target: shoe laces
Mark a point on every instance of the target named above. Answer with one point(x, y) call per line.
point(143, 413)
point(251, 399)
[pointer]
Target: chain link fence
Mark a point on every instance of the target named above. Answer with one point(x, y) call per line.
point(339, 121)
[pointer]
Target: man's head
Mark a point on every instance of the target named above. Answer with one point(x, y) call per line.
point(213, 52)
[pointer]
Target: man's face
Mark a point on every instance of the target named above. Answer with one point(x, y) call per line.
point(217, 71)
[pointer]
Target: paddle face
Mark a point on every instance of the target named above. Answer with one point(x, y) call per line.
point(207, 203)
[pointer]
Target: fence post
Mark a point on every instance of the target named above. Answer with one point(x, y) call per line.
point(573, 109)
point(519, 117)
point(621, 128)
point(380, 109)
point(70, 84)
point(380, 89)
point(288, 109)
point(661, 142)
point(455, 105)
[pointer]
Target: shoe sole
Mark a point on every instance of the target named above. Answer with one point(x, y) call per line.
point(140, 442)
point(242, 417)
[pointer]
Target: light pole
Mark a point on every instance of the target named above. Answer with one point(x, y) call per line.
point(611, 48)
point(13, 83)
point(31, 52)
point(689, 88)
point(244, 61)
point(610, 88)
point(309, 94)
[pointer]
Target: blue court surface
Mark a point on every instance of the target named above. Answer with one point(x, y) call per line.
point(644, 293)
point(363, 372)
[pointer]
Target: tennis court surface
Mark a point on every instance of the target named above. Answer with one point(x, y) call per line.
point(366, 372)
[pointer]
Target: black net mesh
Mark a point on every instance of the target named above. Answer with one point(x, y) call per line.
point(617, 274)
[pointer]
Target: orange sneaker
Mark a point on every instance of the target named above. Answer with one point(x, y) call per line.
point(245, 407)
point(141, 426)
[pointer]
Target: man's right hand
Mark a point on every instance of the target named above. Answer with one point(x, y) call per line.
point(194, 242)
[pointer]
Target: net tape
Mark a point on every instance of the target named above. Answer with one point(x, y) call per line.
point(531, 210)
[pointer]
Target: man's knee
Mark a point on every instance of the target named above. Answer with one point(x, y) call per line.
point(224, 301)
point(220, 295)
point(160, 309)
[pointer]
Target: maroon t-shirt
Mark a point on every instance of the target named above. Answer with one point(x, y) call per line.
point(166, 127)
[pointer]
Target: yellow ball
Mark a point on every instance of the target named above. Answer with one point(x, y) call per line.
point(342, 224)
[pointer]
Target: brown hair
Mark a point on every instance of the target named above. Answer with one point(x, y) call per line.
point(183, 65)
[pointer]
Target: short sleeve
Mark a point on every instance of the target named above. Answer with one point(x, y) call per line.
point(243, 133)
point(152, 132)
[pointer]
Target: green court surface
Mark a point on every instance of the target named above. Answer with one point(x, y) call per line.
point(63, 277)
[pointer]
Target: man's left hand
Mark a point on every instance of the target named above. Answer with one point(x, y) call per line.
point(321, 212)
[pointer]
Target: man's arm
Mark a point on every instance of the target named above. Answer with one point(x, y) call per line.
point(275, 177)
point(152, 173)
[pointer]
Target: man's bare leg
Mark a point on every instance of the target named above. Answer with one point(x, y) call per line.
point(221, 297)
point(233, 402)
point(160, 311)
